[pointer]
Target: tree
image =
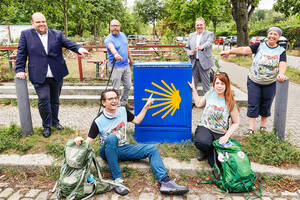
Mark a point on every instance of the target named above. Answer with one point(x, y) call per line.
point(150, 11)
point(288, 7)
point(241, 12)
point(221, 13)
point(63, 6)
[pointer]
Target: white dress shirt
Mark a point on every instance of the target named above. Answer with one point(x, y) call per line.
point(198, 38)
point(44, 40)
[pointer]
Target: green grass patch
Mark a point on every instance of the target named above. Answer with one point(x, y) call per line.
point(293, 74)
point(266, 148)
point(7, 102)
point(57, 150)
point(294, 52)
point(184, 152)
point(13, 141)
point(10, 138)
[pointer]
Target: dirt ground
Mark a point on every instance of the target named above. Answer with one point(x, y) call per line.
point(138, 181)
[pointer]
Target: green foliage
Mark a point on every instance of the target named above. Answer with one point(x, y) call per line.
point(266, 148)
point(150, 11)
point(169, 37)
point(184, 152)
point(291, 33)
point(10, 139)
point(55, 149)
point(288, 7)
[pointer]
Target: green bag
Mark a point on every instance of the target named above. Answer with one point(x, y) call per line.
point(237, 175)
point(73, 181)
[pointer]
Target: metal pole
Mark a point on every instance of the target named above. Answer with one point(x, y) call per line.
point(10, 64)
point(281, 108)
point(24, 106)
point(97, 69)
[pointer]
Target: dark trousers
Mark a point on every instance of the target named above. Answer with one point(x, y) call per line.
point(260, 99)
point(48, 100)
point(203, 141)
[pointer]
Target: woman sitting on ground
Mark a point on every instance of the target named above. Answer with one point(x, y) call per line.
point(220, 106)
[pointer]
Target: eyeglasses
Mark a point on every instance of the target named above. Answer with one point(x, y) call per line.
point(224, 73)
point(112, 98)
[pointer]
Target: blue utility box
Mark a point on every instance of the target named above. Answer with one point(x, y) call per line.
point(169, 118)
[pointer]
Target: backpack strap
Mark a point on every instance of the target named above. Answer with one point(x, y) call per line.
point(97, 166)
point(94, 191)
point(73, 194)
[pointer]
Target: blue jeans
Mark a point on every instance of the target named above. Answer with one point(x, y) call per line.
point(112, 153)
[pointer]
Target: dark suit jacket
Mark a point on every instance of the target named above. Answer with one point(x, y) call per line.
point(31, 46)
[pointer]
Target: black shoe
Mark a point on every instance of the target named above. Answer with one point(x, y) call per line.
point(201, 156)
point(47, 132)
point(171, 187)
point(58, 126)
point(121, 190)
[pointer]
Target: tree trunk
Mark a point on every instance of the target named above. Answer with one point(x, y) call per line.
point(95, 36)
point(215, 28)
point(64, 7)
point(241, 16)
point(66, 24)
point(9, 34)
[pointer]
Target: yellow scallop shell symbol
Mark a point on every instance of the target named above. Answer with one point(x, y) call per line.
point(171, 101)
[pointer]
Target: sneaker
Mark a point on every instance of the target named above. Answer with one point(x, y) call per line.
point(263, 129)
point(121, 190)
point(171, 187)
point(250, 132)
point(201, 156)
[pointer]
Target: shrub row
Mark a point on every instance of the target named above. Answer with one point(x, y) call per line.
point(291, 33)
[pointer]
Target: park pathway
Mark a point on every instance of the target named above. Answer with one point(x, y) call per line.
point(238, 76)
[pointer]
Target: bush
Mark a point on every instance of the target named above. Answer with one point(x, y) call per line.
point(223, 33)
point(291, 33)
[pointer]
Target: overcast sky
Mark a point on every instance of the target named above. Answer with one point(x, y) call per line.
point(266, 4)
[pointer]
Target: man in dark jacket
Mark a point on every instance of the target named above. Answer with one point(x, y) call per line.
point(46, 66)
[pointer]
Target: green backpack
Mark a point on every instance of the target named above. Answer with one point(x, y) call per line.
point(73, 181)
point(237, 175)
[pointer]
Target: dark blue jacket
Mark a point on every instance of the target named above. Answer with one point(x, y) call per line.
point(31, 46)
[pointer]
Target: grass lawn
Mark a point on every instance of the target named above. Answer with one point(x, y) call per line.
point(263, 148)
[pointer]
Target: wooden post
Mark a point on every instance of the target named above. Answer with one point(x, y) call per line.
point(281, 108)
point(80, 67)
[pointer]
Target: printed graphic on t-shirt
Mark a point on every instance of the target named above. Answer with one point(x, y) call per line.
point(266, 65)
point(119, 131)
point(214, 117)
